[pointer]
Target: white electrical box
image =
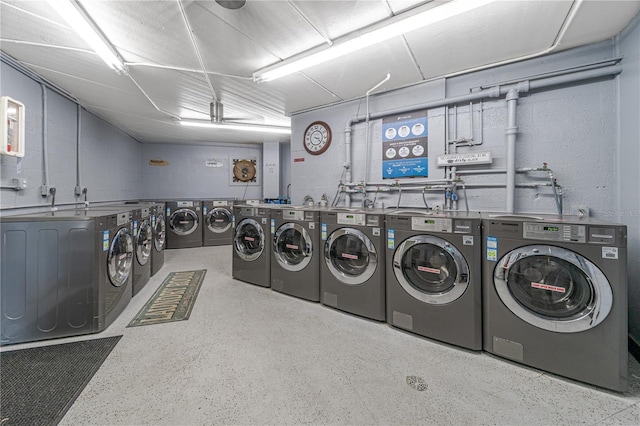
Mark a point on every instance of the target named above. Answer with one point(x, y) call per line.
point(12, 127)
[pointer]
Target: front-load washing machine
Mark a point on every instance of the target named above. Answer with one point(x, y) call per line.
point(352, 273)
point(142, 242)
point(433, 275)
point(159, 236)
point(184, 219)
point(251, 260)
point(218, 222)
point(295, 260)
point(555, 296)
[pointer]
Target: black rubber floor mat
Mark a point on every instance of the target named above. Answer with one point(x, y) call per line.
point(38, 385)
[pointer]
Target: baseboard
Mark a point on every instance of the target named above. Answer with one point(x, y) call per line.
point(634, 348)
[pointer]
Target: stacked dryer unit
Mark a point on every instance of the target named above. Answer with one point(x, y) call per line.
point(159, 236)
point(184, 221)
point(295, 260)
point(70, 274)
point(433, 275)
point(555, 296)
point(251, 260)
point(217, 226)
point(352, 272)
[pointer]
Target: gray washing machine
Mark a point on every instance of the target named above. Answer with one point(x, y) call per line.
point(63, 262)
point(251, 260)
point(184, 221)
point(159, 236)
point(217, 216)
point(295, 260)
point(555, 296)
point(352, 273)
point(434, 278)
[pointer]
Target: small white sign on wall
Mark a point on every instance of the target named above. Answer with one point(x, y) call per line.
point(214, 163)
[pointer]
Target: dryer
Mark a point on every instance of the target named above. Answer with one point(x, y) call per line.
point(295, 260)
point(555, 296)
point(251, 260)
point(433, 275)
point(184, 219)
point(217, 216)
point(159, 236)
point(352, 273)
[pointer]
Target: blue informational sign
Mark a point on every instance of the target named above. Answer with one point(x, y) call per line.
point(405, 145)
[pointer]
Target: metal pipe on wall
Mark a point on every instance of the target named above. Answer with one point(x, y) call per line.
point(511, 132)
point(45, 150)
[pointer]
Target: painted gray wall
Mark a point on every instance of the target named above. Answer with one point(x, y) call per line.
point(627, 209)
point(587, 133)
point(187, 174)
point(109, 158)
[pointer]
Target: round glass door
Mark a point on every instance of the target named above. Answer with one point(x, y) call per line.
point(553, 288)
point(292, 247)
point(183, 221)
point(120, 257)
point(160, 233)
point(431, 269)
point(350, 256)
point(218, 220)
point(144, 242)
point(248, 241)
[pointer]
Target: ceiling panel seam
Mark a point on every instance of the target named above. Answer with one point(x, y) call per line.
point(52, 46)
point(303, 16)
point(412, 56)
point(34, 15)
point(321, 86)
point(173, 68)
point(195, 47)
point(151, 100)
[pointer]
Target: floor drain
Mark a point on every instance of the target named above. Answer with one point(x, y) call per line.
point(417, 383)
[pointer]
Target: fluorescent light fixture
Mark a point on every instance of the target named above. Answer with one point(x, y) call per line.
point(379, 34)
point(78, 19)
point(241, 127)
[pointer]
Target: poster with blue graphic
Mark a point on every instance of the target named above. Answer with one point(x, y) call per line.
point(404, 145)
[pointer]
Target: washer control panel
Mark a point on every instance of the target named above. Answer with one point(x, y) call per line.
point(421, 223)
point(555, 232)
point(351, 219)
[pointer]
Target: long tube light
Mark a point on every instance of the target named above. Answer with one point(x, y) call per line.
point(398, 27)
point(241, 127)
point(78, 19)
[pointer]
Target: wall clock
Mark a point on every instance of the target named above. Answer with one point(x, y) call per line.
point(317, 137)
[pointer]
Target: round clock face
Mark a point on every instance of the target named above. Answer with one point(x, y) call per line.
point(317, 137)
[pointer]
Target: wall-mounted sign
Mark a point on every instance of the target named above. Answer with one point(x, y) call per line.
point(469, 158)
point(158, 162)
point(213, 163)
point(405, 145)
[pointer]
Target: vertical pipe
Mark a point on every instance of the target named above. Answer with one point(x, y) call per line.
point(347, 163)
point(511, 133)
point(79, 121)
point(45, 150)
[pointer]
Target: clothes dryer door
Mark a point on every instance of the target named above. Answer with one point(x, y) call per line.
point(159, 235)
point(431, 269)
point(218, 220)
point(248, 241)
point(350, 256)
point(120, 257)
point(292, 247)
point(144, 242)
point(183, 221)
point(553, 288)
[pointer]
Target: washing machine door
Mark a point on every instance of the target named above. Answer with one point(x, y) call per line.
point(160, 233)
point(248, 241)
point(120, 257)
point(350, 256)
point(292, 247)
point(553, 288)
point(431, 269)
point(144, 242)
point(218, 220)
point(183, 221)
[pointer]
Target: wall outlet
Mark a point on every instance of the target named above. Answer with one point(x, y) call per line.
point(44, 190)
point(78, 191)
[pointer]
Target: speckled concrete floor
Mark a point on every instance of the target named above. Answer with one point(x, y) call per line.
point(249, 355)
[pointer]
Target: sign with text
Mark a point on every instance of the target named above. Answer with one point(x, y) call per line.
point(404, 145)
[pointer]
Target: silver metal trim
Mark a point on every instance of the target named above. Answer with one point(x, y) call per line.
point(211, 212)
point(307, 249)
point(238, 243)
point(160, 235)
point(119, 268)
point(462, 277)
point(373, 256)
point(597, 310)
point(189, 212)
point(143, 248)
